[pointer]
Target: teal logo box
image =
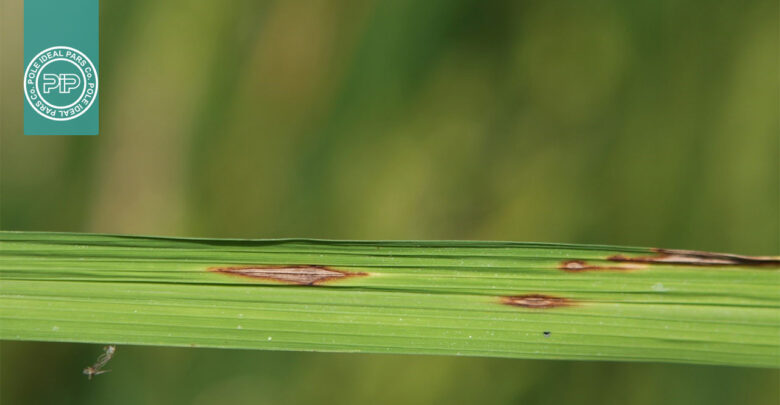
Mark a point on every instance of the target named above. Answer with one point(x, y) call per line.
point(61, 72)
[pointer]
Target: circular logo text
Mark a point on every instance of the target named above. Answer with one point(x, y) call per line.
point(60, 83)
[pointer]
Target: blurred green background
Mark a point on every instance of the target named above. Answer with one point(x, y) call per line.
point(651, 123)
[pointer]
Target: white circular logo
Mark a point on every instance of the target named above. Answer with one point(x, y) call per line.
point(60, 83)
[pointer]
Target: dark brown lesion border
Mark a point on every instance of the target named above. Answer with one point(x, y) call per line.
point(309, 275)
point(671, 257)
point(577, 266)
point(537, 301)
point(698, 258)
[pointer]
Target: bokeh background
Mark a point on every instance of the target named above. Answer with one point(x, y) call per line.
point(649, 122)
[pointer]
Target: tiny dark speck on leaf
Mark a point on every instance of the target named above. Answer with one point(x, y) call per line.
point(546, 333)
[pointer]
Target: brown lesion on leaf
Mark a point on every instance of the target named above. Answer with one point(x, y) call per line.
point(536, 301)
point(671, 257)
point(697, 258)
point(294, 274)
point(576, 266)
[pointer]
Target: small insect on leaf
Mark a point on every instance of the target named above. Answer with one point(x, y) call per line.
point(97, 368)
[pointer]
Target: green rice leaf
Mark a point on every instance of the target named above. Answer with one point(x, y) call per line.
point(502, 299)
